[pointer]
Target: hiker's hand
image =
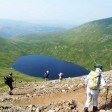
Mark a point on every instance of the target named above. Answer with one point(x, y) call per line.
point(110, 85)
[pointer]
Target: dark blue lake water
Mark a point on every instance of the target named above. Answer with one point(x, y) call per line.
point(36, 65)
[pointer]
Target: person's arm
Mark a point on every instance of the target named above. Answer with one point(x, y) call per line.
point(12, 79)
point(86, 80)
point(103, 83)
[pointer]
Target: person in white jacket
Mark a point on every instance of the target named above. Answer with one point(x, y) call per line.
point(92, 94)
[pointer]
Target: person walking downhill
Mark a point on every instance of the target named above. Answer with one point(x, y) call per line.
point(46, 75)
point(9, 80)
point(93, 81)
point(60, 76)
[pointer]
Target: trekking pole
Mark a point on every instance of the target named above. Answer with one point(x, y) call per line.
point(106, 98)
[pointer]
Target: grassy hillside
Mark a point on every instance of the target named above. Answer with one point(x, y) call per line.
point(19, 78)
point(81, 45)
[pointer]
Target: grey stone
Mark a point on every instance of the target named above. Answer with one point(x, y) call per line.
point(37, 109)
point(102, 111)
point(52, 110)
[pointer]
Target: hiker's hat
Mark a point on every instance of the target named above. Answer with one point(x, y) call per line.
point(47, 71)
point(10, 73)
point(98, 66)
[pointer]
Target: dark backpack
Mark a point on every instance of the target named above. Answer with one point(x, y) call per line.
point(46, 75)
point(7, 80)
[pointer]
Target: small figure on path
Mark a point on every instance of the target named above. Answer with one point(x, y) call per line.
point(8, 81)
point(46, 75)
point(60, 76)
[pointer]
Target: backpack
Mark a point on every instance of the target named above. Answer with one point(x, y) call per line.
point(46, 75)
point(94, 80)
point(7, 80)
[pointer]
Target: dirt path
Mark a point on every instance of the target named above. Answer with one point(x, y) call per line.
point(78, 95)
point(49, 93)
point(46, 99)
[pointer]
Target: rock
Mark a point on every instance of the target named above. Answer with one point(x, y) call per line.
point(2, 100)
point(52, 110)
point(80, 85)
point(18, 108)
point(37, 109)
point(66, 85)
point(33, 108)
point(72, 104)
point(56, 109)
point(30, 106)
point(63, 90)
point(34, 94)
point(28, 95)
point(67, 110)
point(102, 111)
point(109, 110)
point(10, 108)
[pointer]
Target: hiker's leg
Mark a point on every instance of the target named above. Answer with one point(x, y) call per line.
point(95, 102)
point(95, 109)
point(89, 98)
point(10, 89)
point(95, 99)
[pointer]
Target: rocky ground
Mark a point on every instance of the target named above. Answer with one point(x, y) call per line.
point(68, 95)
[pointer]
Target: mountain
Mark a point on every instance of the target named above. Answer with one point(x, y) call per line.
point(85, 45)
point(11, 28)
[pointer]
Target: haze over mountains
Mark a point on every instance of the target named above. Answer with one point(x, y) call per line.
point(84, 45)
point(12, 28)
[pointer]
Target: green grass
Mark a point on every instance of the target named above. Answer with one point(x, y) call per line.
point(76, 45)
point(19, 78)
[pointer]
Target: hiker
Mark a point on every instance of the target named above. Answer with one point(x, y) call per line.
point(9, 80)
point(60, 76)
point(46, 75)
point(93, 81)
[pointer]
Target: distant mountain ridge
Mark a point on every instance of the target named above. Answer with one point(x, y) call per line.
point(106, 21)
point(11, 28)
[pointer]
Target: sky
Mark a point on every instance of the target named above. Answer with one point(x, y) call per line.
point(71, 12)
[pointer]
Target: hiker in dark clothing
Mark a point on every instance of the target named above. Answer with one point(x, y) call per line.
point(9, 80)
point(46, 75)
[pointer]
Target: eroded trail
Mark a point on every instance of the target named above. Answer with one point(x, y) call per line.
point(62, 96)
point(52, 98)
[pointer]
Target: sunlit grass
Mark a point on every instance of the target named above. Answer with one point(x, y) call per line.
point(19, 78)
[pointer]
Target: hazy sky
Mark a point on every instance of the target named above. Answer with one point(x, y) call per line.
point(55, 11)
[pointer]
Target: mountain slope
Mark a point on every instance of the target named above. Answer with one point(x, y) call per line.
point(84, 45)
